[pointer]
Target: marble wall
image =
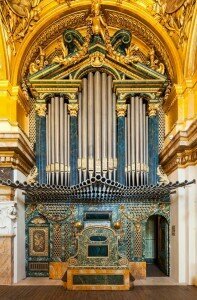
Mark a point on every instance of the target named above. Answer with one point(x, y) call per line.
point(183, 238)
point(6, 259)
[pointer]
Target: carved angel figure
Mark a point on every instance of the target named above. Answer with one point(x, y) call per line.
point(97, 20)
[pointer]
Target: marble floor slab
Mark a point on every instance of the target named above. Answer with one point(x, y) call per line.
point(148, 281)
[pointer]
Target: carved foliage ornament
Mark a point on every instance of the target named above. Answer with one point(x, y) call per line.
point(41, 109)
point(18, 17)
point(174, 15)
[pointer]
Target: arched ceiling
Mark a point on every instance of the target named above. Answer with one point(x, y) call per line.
point(47, 19)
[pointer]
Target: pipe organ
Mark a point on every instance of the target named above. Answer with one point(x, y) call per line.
point(97, 134)
point(58, 145)
point(136, 135)
point(97, 127)
point(97, 120)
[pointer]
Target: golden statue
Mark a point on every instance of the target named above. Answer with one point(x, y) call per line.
point(97, 20)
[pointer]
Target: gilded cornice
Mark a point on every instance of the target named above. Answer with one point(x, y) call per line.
point(15, 151)
point(181, 150)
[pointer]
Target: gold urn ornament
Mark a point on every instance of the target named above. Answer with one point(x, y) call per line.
point(117, 225)
point(78, 225)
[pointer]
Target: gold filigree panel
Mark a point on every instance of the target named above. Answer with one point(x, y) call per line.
point(38, 241)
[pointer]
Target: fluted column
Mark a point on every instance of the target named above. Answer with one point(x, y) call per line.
point(153, 142)
point(121, 112)
point(41, 141)
point(73, 110)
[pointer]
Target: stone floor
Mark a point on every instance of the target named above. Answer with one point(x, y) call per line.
point(148, 281)
point(59, 293)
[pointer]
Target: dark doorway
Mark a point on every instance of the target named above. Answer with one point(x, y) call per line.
point(157, 246)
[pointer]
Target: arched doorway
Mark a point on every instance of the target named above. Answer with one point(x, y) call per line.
point(157, 246)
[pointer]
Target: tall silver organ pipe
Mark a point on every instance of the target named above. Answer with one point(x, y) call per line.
point(57, 128)
point(136, 142)
point(97, 126)
point(84, 127)
point(114, 135)
point(104, 124)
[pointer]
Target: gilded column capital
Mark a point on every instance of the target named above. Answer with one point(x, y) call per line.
point(153, 109)
point(73, 109)
point(121, 110)
point(72, 97)
point(122, 97)
point(41, 109)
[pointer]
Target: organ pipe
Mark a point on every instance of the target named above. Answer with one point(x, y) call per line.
point(133, 135)
point(97, 98)
point(114, 140)
point(91, 124)
point(110, 144)
point(68, 150)
point(84, 128)
point(53, 139)
point(137, 142)
point(80, 140)
point(61, 139)
point(57, 141)
point(98, 115)
point(104, 124)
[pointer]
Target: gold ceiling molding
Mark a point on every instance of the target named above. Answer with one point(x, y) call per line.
point(114, 19)
point(181, 151)
point(49, 34)
point(175, 16)
point(121, 20)
point(18, 17)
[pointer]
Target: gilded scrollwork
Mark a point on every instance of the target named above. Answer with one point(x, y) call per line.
point(39, 63)
point(175, 16)
point(155, 64)
point(18, 16)
point(41, 109)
